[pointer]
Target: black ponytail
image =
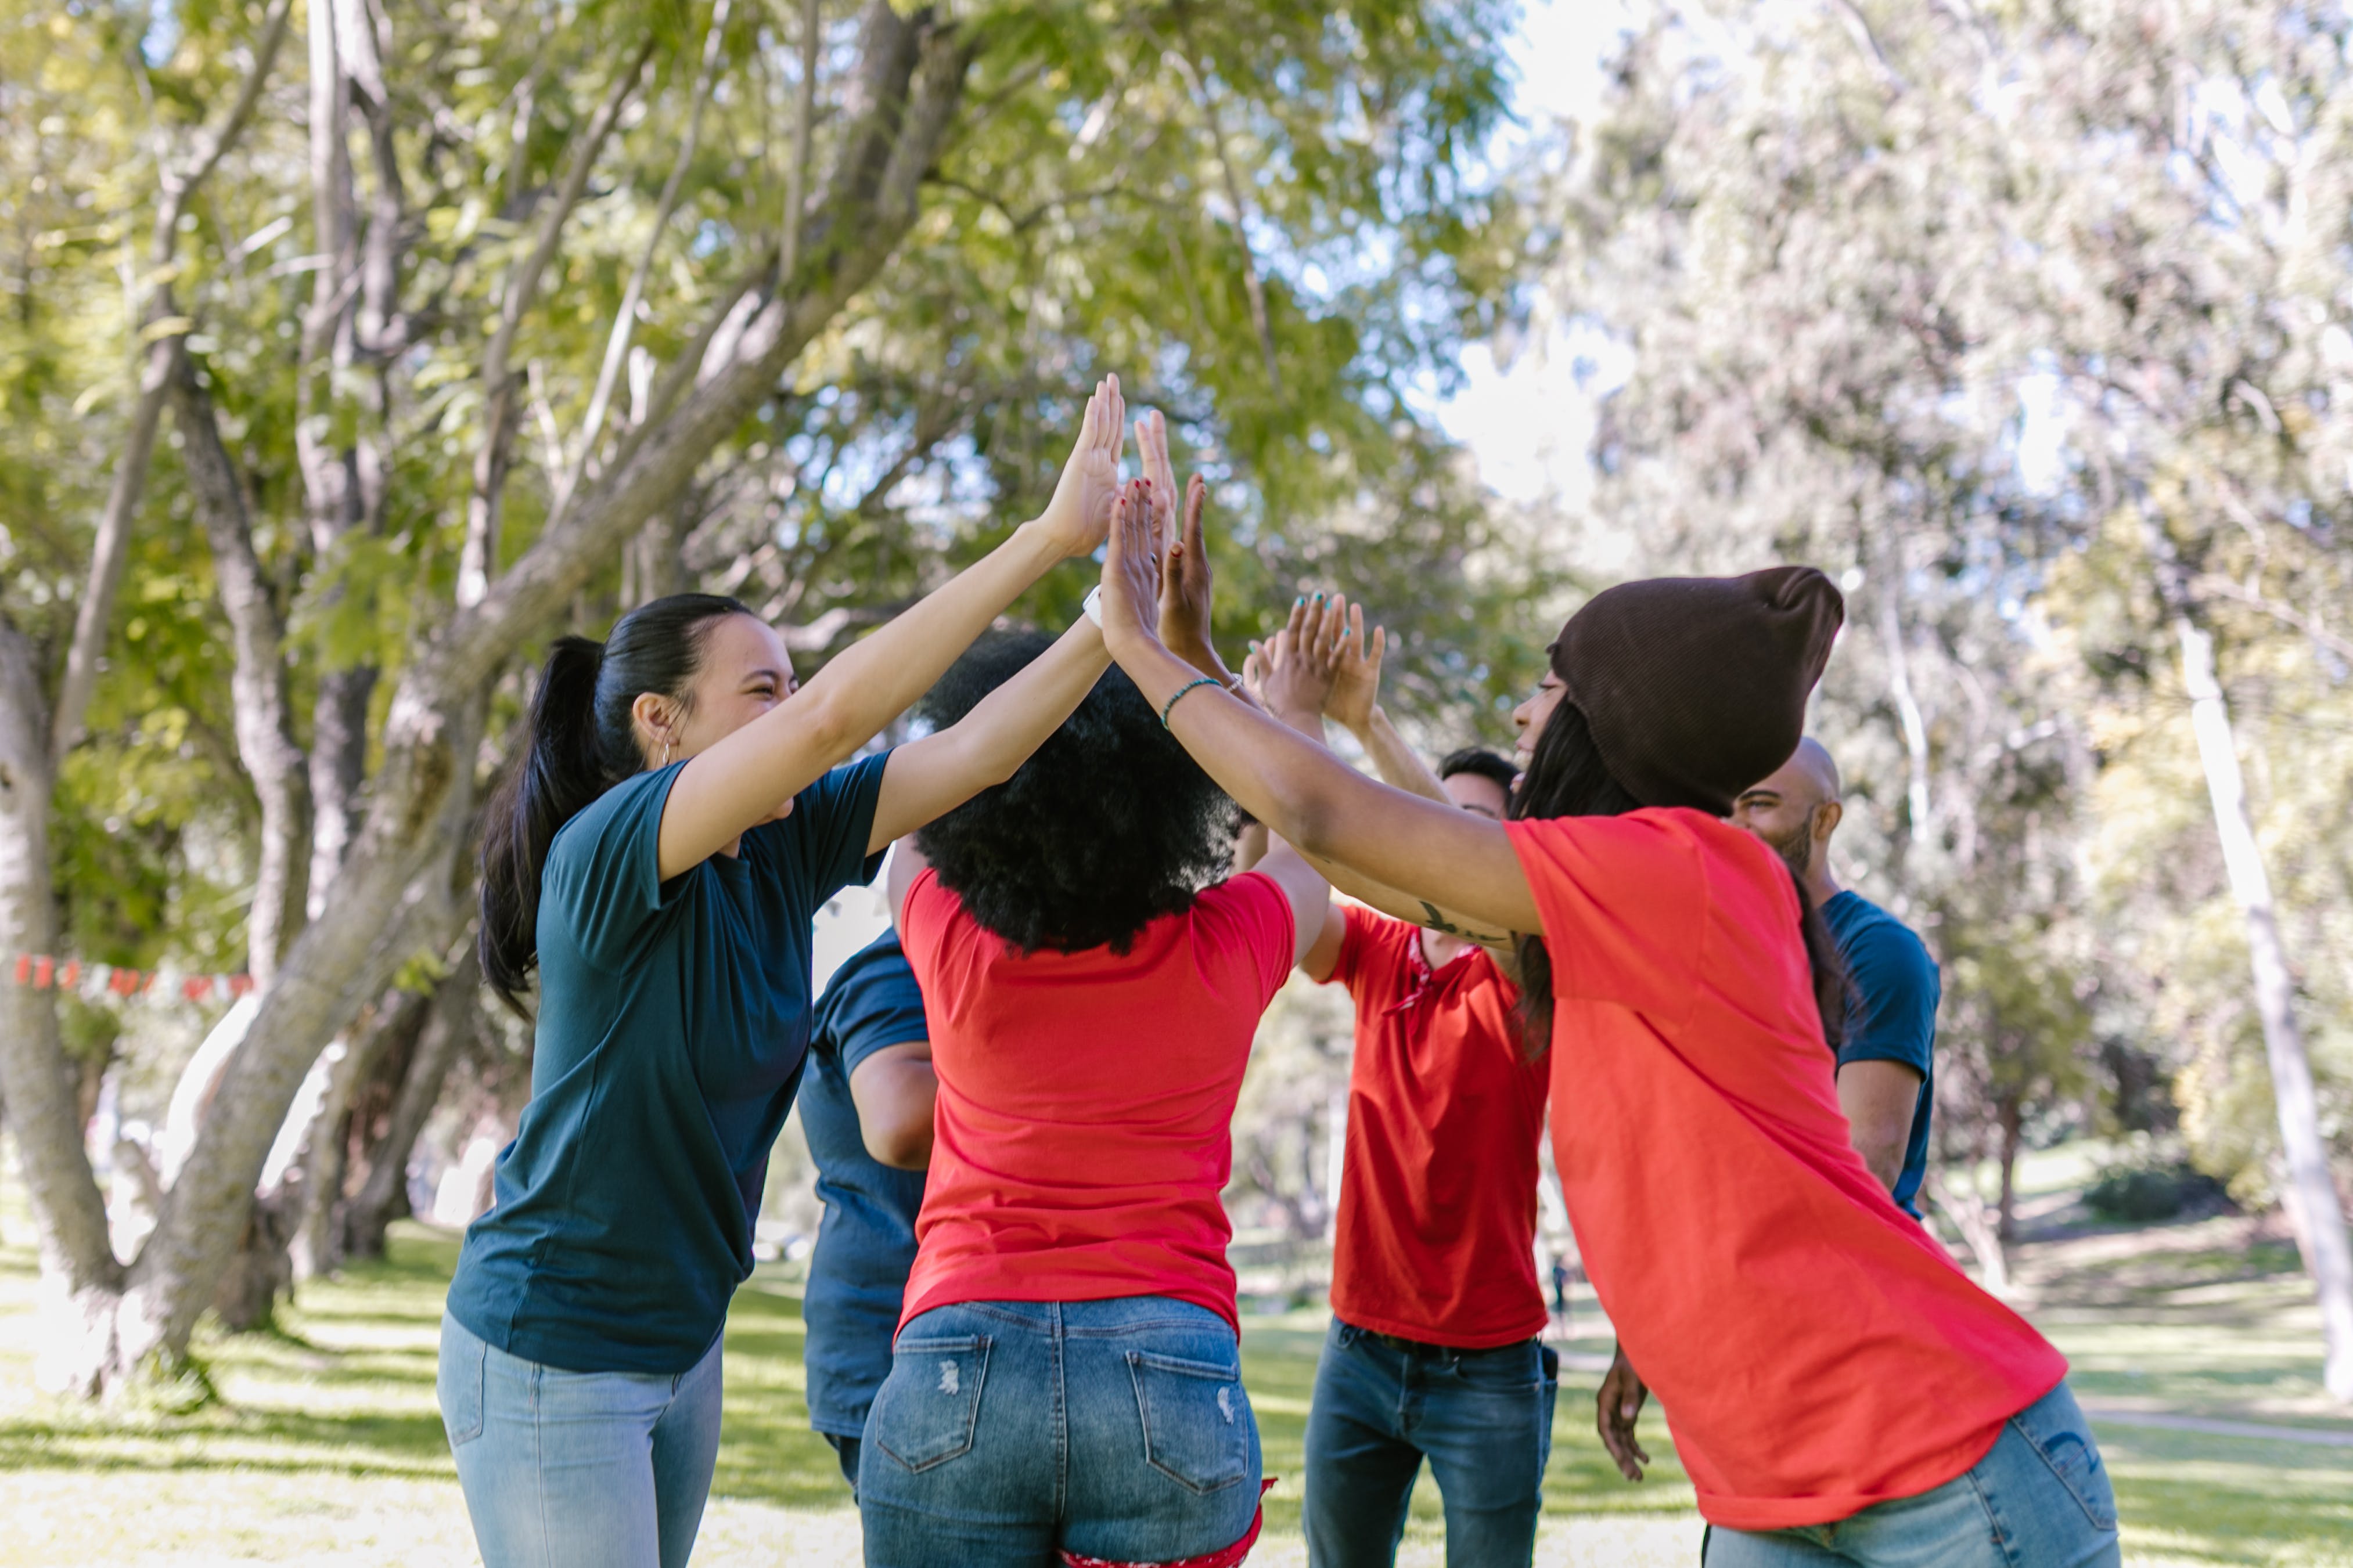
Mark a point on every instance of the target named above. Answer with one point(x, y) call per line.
point(1566, 777)
point(583, 741)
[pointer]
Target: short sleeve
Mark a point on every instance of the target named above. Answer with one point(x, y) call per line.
point(878, 1005)
point(602, 879)
point(1361, 946)
point(1895, 993)
point(1625, 903)
point(1251, 915)
point(821, 846)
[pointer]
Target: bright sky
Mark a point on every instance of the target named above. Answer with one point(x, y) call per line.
point(1528, 425)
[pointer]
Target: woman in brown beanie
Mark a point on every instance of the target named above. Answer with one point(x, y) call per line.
point(1839, 1390)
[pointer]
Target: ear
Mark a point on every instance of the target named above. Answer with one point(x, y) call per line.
point(654, 718)
point(1827, 817)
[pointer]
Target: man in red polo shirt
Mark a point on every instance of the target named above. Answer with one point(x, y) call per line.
point(1434, 1350)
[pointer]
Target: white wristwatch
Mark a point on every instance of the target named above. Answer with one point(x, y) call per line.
point(1093, 607)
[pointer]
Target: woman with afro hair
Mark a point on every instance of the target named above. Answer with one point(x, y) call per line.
point(1066, 1384)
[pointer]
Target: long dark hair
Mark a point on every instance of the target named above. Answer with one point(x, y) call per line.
point(1109, 825)
point(583, 742)
point(1566, 777)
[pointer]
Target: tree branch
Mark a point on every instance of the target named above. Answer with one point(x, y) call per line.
point(161, 332)
point(478, 563)
point(625, 320)
point(261, 703)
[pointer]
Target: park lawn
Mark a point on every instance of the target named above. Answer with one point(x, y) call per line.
point(326, 1446)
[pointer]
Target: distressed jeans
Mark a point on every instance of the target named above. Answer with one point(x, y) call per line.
point(1008, 1431)
point(579, 1470)
point(2041, 1499)
point(1482, 1418)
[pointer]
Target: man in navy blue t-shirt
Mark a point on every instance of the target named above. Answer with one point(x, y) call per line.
point(866, 1107)
point(1886, 1075)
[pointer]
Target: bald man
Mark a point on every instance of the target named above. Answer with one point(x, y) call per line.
point(1886, 1073)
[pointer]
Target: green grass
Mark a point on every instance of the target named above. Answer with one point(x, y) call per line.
point(326, 1445)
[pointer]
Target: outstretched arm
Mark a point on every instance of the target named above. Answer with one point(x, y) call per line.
point(928, 778)
point(1304, 794)
point(743, 779)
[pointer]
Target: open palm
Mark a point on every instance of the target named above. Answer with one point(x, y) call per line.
point(1078, 517)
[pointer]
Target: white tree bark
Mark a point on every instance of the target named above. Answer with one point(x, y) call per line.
point(398, 873)
point(2328, 1250)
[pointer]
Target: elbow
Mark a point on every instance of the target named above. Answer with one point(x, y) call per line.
point(903, 1145)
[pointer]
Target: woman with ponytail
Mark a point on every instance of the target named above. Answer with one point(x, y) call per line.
point(656, 857)
point(1839, 1390)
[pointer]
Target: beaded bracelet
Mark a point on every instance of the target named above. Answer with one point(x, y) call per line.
point(1178, 696)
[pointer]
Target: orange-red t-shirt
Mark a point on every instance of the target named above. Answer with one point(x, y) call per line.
point(1084, 1124)
point(1436, 1238)
point(1815, 1350)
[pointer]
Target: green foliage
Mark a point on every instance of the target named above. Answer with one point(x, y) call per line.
point(1083, 218)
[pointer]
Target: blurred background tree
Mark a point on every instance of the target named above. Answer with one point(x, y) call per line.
point(2032, 322)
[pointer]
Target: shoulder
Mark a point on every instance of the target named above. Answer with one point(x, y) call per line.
point(613, 820)
point(1868, 936)
point(1252, 907)
point(860, 777)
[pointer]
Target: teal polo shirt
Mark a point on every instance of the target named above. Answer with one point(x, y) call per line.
point(673, 1021)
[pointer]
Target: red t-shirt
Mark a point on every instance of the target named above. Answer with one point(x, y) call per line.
point(1815, 1350)
point(1084, 1123)
point(1438, 1197)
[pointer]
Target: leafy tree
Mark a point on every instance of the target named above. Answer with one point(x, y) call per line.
point(448, 329)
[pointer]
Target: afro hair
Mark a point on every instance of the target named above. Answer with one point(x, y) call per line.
point(1108, 826)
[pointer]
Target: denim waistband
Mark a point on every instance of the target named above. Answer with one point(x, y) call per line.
point(1424, 1347)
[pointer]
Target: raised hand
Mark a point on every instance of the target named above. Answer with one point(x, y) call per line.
point(1185, 589)
point(1293, 670)
point(1131, 571)
point(1152, 454)
point(1357, 674)
point(1078, 516)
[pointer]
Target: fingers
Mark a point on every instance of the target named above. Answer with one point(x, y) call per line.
point(1197, 499)
point(1114, 415)
point(1379, 648)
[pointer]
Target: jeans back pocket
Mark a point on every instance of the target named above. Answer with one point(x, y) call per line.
point(2055, 1427)
point(928, 1408)
point(458, 1383)
point(1196, 1420)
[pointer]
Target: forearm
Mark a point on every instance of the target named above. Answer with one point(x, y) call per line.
point(1329, 811)
point(988, 745)
point(1403, 906)
point(878, 677)
point(1398, 764)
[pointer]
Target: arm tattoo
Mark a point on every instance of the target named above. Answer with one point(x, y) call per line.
point(1439, 922)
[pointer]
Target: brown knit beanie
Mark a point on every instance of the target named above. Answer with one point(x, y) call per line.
point(1695, 686)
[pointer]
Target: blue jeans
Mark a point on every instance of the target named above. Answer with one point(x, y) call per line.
point(2041, 1499)
point(579, 1470)
point(1010, 1430)
point(1482, 1418)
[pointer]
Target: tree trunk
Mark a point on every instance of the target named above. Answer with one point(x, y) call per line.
point(2011, 1111)
point(262, 707)
point(396, 877)
point(322, 1167)
point(2327, 1251)
point(382, 1195)
point(1979, 1226)
point(78, 1271)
